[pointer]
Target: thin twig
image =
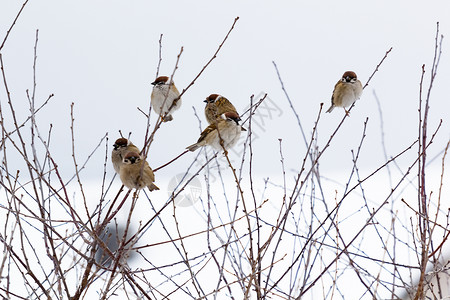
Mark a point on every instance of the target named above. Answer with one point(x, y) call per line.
point(12, 25)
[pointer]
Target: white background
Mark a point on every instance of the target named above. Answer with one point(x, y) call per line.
point(102, 56)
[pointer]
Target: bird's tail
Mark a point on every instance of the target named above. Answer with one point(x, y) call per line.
point(193, 147)
point(152, 187)
point(168, 118)
point(331, 108)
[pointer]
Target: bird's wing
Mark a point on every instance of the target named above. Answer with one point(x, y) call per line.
point(205, 132)
point(224, 105)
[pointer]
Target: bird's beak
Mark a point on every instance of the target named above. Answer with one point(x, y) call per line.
point(206, 101)
point(153, 83)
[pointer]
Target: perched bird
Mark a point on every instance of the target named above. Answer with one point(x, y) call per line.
point(216, 105)
point(121, 147)
point(346, 91)
point(224, 132)
point(135, 172)
point(163, 95)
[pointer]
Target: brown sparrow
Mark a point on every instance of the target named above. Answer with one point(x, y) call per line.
point(216, 105)
point(346, 91)
point(121, 147)
point(163, 95)
point(225, 131)
point(135, 172)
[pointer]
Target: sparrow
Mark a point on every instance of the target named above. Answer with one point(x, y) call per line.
point(225, 131)
point(135, 172)
point(346, 91)
point(121, 147)
point(163, 95)
point(216, 105)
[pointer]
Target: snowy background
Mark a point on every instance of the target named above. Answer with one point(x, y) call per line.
point(103, 55)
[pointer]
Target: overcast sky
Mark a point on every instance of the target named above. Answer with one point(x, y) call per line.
point(102, 55)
